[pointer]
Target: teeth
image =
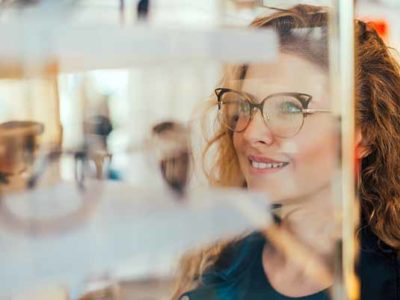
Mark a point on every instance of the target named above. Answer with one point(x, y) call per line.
point(261, 165)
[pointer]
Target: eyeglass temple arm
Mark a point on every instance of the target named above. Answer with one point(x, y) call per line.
point(315, 110)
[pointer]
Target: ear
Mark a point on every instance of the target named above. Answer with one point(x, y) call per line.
point(362, 150)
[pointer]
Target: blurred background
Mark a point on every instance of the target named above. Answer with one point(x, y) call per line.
point(83, 83)
point(100, 102)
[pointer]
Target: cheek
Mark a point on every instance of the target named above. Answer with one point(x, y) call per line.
point(239, 146)
point(237, 142)
point(317, 150)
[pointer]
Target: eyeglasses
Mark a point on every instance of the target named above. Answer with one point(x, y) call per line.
point(59, 204)
point(283, 113)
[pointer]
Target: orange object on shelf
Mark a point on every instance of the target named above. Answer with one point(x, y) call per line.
point(381, 26)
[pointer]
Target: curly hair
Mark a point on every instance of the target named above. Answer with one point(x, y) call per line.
point(378, 117)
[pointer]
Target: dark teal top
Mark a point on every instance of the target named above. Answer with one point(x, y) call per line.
point(239, 275)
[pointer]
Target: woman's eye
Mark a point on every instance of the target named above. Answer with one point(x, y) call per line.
point(243, 107)
point(290, 108)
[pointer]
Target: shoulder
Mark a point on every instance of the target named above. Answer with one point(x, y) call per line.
point(235, 258)
point(378, 267)
point(232, 261)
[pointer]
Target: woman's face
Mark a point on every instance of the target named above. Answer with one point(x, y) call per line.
point(303, 164)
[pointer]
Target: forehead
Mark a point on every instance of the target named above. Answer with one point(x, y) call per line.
point(289, 73)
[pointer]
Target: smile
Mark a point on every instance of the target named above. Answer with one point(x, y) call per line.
point(264, 163)
point(261, 165)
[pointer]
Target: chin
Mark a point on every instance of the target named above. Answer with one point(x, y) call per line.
point(273, 194)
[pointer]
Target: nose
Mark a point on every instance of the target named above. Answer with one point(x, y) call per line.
point(257, 132)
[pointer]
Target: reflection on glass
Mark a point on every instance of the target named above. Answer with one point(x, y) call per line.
point(19, 145)
point(35, 198)
point(171, 141)
point(275, 134)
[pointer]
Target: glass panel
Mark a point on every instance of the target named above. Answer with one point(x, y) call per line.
point(199, 156)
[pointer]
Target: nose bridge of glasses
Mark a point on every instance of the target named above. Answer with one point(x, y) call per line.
point(260, 108)
point(258, 120)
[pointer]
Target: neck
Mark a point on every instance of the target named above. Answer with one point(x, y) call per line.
point(312, 220)
point(305, 239)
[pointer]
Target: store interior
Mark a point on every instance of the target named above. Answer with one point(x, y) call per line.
point(102, 109)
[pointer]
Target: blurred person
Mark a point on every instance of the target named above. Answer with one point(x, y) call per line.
point(170, 139)
point(276, 134)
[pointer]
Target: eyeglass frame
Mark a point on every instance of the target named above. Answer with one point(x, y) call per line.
point(302, 97)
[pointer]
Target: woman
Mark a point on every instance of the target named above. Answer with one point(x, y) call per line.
point(277, 136)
